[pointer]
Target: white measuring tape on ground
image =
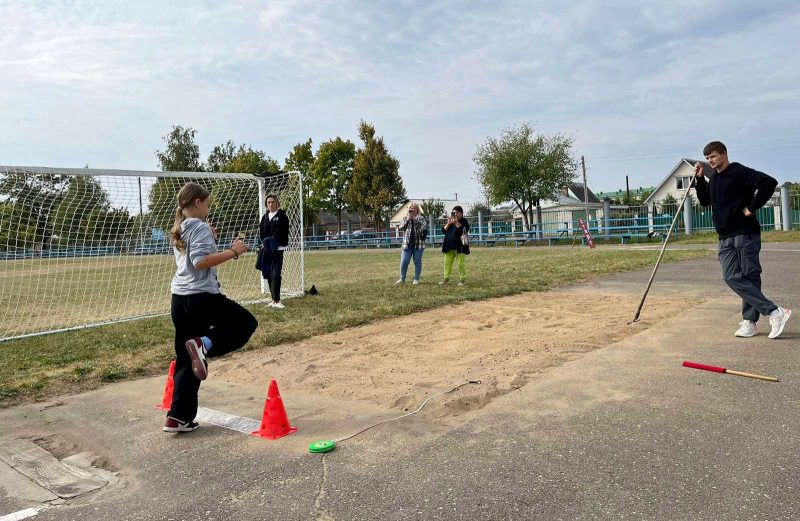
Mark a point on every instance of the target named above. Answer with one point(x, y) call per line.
point(228, 421)
point(21, 514)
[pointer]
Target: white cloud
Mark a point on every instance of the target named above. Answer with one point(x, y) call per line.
point(85, 82)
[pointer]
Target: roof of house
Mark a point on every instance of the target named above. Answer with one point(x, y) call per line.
point(707, 171)
point(577, 189)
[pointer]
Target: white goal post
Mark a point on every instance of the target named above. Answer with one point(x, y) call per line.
point(85, 247)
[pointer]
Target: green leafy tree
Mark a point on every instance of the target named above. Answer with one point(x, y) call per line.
point(794, 188)
point(524, 167)
point(32, 198)
point(668, 204)
point(181, 154)
point(432, 208)
point(301, 159)
point(479, 207)
point(376, 188)
point(331, 175)
point(16, 232)
point(83, 196)
point(234, 206)
point(220, 156)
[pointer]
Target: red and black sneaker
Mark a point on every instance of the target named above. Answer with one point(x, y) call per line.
point(197, 352)
point(173, 425)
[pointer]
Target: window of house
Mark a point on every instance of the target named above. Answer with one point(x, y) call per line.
point(683, 183)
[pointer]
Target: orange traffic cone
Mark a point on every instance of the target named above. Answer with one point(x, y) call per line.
point(166, 402)
point(274, 423)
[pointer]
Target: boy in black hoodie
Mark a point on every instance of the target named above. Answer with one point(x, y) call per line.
point(275, 223)
point(735, 192)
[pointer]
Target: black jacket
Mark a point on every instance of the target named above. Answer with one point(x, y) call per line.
point(278, 227)
point(729, 192)
point(452, 238)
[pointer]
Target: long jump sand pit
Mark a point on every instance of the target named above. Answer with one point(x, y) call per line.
point(398, 363)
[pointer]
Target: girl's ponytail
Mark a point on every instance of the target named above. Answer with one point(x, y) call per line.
point(186, 197)
point(176, 231)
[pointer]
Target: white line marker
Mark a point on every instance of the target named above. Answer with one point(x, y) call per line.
point(21, 514)
point(228, 421)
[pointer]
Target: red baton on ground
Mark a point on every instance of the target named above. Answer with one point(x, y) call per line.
point(715, 369)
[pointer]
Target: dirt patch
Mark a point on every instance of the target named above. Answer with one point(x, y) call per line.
point(397, 363)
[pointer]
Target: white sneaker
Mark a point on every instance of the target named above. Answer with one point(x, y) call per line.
point(270, 304)
point(399, 281)
point(746, 329)
point(415, 282)
point(278, 305)
point(778, 320)
point(443, 282)
point(462, 283)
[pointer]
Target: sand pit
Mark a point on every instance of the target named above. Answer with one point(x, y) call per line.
point(397, 363)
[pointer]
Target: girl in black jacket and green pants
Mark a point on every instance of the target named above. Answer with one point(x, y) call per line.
point(453, 245)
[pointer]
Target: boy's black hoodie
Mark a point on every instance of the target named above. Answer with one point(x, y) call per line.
point(729, 192)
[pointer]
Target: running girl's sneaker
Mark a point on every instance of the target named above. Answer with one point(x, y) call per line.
point(197, 352)
point(173, 425)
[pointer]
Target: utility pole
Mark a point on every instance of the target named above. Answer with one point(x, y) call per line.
point(585, 191)
point(627, 191)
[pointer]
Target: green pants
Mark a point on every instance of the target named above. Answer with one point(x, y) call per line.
point(449, 257)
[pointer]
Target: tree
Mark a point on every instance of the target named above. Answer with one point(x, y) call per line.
point(432, 208)
point(32, 198)
point(668, 204)
point(376, 187)
point(524, 167)
point(794, 188)
point(234, 207)
point(182, 153)
point(220, 156)
point(479, 207)
point(331, 175)
point(84, 197)
point(300, 159)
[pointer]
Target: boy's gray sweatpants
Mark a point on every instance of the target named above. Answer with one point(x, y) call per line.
point(741, 270)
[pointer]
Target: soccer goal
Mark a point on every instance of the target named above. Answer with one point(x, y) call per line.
point(83, 247)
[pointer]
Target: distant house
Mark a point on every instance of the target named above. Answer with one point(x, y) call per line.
point(557, 214)
point(620, 194)
point(402, 211)
point(677, 181)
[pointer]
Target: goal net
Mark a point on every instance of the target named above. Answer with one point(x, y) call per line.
point(83, 247)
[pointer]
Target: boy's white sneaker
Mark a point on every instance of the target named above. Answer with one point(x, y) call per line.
point(747, 328)
point(778, 320)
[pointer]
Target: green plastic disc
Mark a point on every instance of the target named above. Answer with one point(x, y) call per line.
point(322, 446)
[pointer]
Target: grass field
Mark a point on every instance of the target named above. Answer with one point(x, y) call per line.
point(355, 287)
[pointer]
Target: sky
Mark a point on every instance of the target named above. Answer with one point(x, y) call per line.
point(638, 85)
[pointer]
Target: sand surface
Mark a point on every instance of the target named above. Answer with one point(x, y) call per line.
point(398, 363)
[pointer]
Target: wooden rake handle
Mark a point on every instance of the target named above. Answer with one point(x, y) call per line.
point(716, 369)
point(751, 375)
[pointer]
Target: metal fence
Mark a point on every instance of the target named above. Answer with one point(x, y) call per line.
point(559, 225)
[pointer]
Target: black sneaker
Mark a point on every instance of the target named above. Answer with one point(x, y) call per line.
point(197, 352)
point(173, 425)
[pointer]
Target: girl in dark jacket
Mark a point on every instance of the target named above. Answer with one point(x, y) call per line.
point(455, 245)
point(275, 224)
